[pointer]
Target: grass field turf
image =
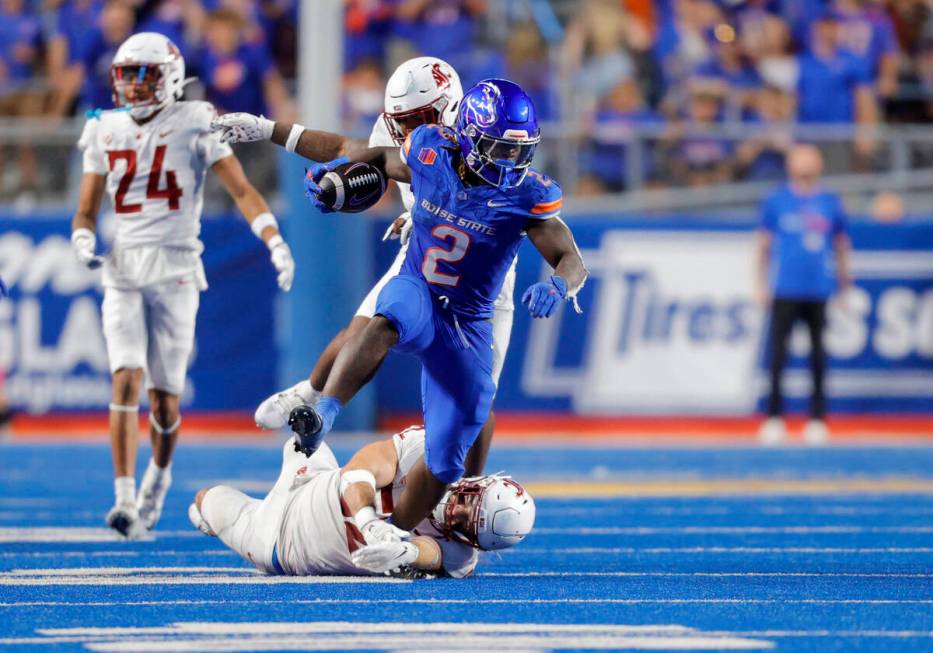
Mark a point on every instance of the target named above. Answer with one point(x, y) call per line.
point(674, 548)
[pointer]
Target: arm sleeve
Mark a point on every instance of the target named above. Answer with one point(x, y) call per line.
point(209, 146)
point(547, 197)
point(379, 136)
point(93, 159)
point(459, 560)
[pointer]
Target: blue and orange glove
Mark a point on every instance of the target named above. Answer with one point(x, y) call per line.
point(542, 298)
point(313, 175)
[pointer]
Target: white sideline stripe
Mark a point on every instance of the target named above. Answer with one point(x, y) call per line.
point(123, 571)
point(435, 601)
point(697, 574)
point(206, 636)
point(193, 580)
point(117, 554)
point(78, 534)
point(439, 643)
point(728, 530)
point(717, 549)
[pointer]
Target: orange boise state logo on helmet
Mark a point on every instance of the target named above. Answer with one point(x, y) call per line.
point(427, 156)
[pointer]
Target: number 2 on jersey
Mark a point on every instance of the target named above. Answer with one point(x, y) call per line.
point(455, 253)
point(172, 191)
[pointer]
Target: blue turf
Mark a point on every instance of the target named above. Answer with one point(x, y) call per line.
point(863, 563)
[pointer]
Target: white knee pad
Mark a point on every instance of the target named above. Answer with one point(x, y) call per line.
point(163, 430)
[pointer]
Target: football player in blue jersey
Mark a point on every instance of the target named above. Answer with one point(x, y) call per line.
point(476, 197)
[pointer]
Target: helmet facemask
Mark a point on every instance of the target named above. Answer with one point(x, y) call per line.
point(141, 87)
point(502, 162)
point(402, 123)
point(459, 512)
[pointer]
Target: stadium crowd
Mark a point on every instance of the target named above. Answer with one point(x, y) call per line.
point(604, 69)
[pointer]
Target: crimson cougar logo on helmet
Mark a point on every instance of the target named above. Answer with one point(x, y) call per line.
point(440, 77)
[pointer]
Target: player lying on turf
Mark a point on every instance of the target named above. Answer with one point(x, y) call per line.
point(149, 155)
point(476, 198)
point(424, 90)
point(321, 519)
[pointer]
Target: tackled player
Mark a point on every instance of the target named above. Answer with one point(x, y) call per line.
point(320, 519)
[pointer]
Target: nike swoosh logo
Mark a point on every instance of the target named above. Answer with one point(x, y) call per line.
point(494, 205)
point(164, 134)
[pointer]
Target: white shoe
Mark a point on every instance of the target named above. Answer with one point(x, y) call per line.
point(197, 520)
point(151, 497)
point(124, 518)
point(815, 433)
point(274, 411)
point(772, 432)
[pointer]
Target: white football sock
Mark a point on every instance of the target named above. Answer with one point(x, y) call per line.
point(155, 475)
point(124, 489)
point(307, 392)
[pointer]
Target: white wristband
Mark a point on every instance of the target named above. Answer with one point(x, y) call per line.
point(82, 232)
point(261, 221)
point(352, 476)
point(293, 136)
point(365, 515)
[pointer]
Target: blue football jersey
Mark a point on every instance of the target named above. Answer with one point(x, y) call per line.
point(464, 238)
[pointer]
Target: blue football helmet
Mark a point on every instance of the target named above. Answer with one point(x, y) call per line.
point(498, 132)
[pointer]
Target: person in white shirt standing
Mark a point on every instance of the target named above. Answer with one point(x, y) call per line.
point(423, 90)
point(150, 155)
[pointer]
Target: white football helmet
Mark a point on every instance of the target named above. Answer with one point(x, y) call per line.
point(147, 74)
point(424, 90)
point(487, 512)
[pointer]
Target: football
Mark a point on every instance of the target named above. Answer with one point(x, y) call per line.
point(352, 187)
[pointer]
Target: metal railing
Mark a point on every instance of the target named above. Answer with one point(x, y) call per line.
point(614, 167)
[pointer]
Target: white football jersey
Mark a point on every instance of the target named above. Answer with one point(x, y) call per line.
point(459, 559)
point(380, 138)
point(155, 182)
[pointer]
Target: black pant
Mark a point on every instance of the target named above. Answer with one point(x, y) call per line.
point(784, 312)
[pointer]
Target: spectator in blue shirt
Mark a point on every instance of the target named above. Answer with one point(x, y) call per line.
point(88, 73)
point(835, 86)
point(73, 19)
point(867, 33)
point(441, 28)
point(19, 48)
point(240, 76)
point(802, 226)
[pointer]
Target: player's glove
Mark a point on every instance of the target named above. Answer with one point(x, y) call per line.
point(542, 298)
point(84, 242)
point(313, 175)
point(384, 557)
point(400, 229)
point(375, 530)
point(242, 127)
point(282, 259)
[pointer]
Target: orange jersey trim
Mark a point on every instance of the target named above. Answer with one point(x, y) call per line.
point(547, 207)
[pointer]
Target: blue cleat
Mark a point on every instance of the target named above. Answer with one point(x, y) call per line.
point(308, 427)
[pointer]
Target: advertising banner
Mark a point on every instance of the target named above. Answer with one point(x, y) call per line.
point(52, 347)
point(669, 326)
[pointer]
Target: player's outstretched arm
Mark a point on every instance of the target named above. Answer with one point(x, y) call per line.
point(257, 214)
point(84, 222)
point(241, 127)
point(555, 242)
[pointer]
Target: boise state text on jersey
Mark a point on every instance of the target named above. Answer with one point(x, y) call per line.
point(464, 238)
